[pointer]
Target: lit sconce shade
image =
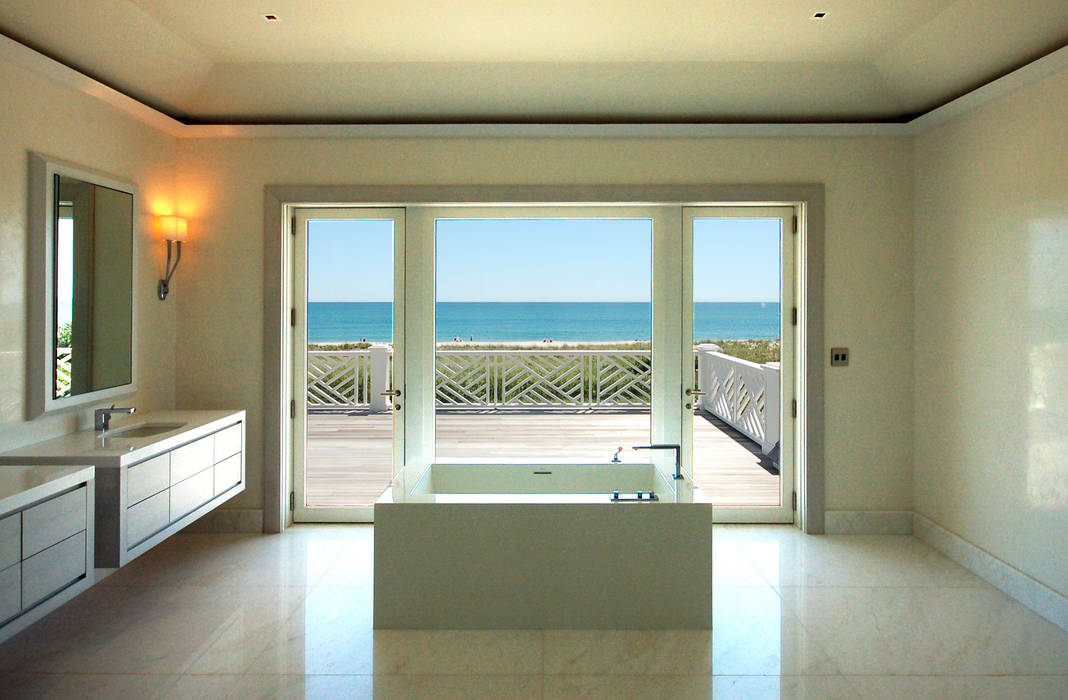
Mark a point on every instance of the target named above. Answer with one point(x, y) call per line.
point(172, 228)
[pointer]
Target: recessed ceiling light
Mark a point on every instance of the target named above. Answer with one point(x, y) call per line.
point(819, 15)
point(271, 18)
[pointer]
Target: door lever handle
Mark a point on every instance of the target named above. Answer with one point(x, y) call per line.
point(694, 392)
point(391, 392)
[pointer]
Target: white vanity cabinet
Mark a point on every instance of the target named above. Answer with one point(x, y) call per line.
point(160, 495)
point(150, 487)
point(46, 540)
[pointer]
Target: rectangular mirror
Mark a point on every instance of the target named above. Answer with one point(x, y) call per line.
point(82, 237)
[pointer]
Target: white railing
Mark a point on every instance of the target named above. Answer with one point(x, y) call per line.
point(543, 379)
point(343, 379)
point(743, 394)
point(63, 371)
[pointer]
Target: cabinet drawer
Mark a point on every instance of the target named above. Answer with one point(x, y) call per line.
point(227, 473)
point(192, 458)
point(10, 591)
point(53, 569)
point(147, 518)
point(10, 540)
point(57, 519)
point(147, 478)
point(227, 442)
point(191, 493)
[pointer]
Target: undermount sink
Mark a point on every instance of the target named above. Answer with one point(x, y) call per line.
point(143, 430)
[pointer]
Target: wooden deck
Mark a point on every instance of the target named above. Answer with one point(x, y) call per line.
point(350, 455)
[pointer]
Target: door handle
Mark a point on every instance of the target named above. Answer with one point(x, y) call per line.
point(694, 392)
point(391, 392)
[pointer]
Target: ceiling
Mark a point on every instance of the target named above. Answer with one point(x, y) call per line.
point(427, 61)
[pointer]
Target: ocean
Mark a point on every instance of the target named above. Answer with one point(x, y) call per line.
point(330, 322)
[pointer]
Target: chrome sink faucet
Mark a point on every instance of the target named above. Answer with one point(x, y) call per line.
point(102, 416)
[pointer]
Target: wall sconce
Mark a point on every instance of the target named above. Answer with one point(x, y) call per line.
point(172, 229)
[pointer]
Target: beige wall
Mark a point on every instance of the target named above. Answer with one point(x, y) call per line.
point(991, 406)
point(37, 115)
point(868, 261)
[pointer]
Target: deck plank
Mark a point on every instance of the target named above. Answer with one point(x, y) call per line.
point(350, 455)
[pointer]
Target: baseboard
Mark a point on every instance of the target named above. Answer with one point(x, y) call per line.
point(868, 522)
point(245, 520)
point(1037, 596)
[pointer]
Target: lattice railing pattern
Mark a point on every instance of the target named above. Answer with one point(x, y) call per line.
point(339, 378)
point(735, 391)
point(543, 379)
point(496, 379)
point(63, 370)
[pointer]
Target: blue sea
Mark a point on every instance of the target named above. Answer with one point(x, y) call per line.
point(330, 322)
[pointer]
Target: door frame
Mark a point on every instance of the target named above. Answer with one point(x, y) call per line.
point(302, 217)
point(281, 200)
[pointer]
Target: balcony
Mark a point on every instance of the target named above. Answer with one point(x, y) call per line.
point(491, 402)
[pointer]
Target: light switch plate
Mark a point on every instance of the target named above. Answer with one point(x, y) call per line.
point(839, 357)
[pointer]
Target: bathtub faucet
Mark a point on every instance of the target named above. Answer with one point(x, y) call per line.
point(678, 451)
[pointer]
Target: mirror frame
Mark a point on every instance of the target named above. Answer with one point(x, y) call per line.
point(40, 335)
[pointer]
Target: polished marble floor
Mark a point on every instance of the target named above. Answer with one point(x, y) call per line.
point(289, 616)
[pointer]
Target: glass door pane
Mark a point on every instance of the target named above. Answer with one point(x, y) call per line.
point(543, 330)
point(346, 444)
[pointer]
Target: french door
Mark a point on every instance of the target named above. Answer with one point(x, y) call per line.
point(738, 435)
point(348, 377)
point(353, 401)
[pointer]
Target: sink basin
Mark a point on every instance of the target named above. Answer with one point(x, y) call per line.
point(143, 430)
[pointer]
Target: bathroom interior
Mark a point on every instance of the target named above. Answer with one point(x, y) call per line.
point(159, 534)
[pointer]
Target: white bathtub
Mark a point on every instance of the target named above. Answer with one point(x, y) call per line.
point(533, 547)
point(558, 483)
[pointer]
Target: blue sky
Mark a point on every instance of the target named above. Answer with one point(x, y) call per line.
point(544, 260)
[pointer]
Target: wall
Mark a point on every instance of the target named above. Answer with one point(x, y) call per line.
point(37, 115)
point(868, 261)
point(991, 337)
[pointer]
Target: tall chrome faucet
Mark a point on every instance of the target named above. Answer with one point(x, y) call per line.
point(665, 446)
point(102, 416)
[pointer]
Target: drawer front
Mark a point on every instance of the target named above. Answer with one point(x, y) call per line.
point(147, 518)
point(228, 442)
point(10, 592)
point(57, 519)
point(192, 493)
point(53, 569)
point(192, 458)
point(227, 473)
point(10, 540)
point(147, 478)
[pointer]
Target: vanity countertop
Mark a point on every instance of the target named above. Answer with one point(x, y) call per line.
point(22, 485)
point(115, 450)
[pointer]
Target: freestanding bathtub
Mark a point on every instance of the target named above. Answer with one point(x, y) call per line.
point(532, 546)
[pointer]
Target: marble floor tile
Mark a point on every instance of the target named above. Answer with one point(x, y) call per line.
point(928, 631)
point(628, 687)
point(450, 687)
point(162, 630)
point(85, 686)
point(783, 688)
point(755, 634)
point(628, 652)
point(855, 560)
point(269, 687)
point(479, 652)
point(329, 633)
point(962, 687)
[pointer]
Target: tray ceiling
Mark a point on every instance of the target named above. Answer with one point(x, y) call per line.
point(414, 61)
